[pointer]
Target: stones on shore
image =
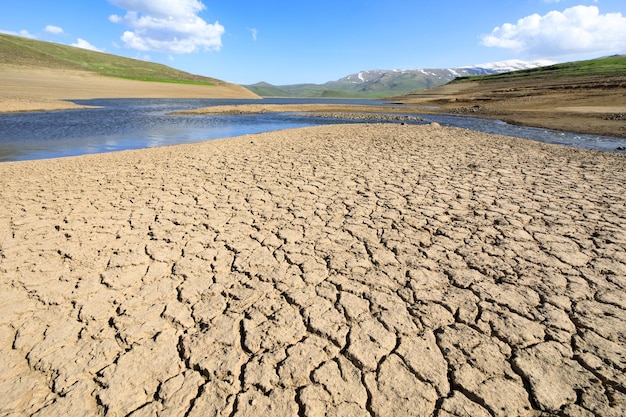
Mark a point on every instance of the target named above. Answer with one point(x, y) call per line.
point(373, 117)
point(353, 270)
point(468, 110)
point(615, 116)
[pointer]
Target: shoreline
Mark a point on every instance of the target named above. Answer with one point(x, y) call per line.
point(592, 105)
point(11, 105)
point(391, 112)
point(596, 122)
point(340, 269)
point(602, 121)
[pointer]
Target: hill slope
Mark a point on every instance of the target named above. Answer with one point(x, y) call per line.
point(585, 96)
point(31, 70)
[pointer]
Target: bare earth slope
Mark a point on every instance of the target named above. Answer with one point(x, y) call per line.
point(29, 89)
point(589, 104)
point(37, 75)
point(363, 270)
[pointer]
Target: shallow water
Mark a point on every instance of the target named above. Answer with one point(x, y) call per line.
point(121, 124)
point(577, 140)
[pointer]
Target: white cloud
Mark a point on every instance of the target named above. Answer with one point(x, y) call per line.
point(254, 33)
point(579, 29)
point(81, 43)
point(161, 8)
point(171, 26)
point(55, 30)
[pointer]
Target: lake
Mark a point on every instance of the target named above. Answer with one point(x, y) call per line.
point(121, 124)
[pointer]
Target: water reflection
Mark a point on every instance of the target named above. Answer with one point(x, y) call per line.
point(121, 124)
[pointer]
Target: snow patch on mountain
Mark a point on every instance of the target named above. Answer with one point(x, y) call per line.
point(386, 83)
point(511, 65)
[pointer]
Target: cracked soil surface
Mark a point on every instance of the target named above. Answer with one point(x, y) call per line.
point(356, 270)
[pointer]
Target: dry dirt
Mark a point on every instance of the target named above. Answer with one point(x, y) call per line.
point(355, 270)
point(28, 89)
point(594, 104)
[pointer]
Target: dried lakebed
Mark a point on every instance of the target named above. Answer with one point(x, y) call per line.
point(368, 270)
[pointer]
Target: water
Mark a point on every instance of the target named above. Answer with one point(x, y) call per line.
point(121, 124)
point(577, 140)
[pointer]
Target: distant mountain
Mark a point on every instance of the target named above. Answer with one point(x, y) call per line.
point(385, 83)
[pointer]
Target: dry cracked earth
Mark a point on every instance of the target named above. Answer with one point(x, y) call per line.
point(371, 270)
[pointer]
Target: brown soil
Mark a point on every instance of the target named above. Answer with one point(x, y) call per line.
point(351, 270)
point(30, 89)
point(594, 104)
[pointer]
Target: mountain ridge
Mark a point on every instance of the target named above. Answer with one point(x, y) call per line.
point(380, 83)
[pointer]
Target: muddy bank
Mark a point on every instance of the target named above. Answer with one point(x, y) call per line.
point(591, 104)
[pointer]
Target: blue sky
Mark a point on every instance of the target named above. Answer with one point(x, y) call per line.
point(293, 41)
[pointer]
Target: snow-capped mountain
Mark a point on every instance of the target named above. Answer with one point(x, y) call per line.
point(384, 83)
point(512, 65)
point(447, 74)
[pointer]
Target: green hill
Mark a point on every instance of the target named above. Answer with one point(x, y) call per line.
point(384, 86)
point(24, 52)
point(607, 66)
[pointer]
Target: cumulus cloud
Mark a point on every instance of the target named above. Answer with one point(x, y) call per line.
point(579, 29)
point(81, 43)
point(171, 26)
point(55, 30)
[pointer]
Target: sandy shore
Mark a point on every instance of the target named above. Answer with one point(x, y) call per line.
point(365, 270)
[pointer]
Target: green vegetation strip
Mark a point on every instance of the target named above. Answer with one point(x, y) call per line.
point(613, 65)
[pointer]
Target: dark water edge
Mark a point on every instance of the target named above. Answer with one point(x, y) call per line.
point(123, 124)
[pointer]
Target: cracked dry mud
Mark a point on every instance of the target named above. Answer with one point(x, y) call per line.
point(340, 270)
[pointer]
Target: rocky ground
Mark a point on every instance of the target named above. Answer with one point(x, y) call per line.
point(366, 270)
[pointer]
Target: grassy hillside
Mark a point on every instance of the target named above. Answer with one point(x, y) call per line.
point(608, 66)
point(295, 90)
point(23, 52)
